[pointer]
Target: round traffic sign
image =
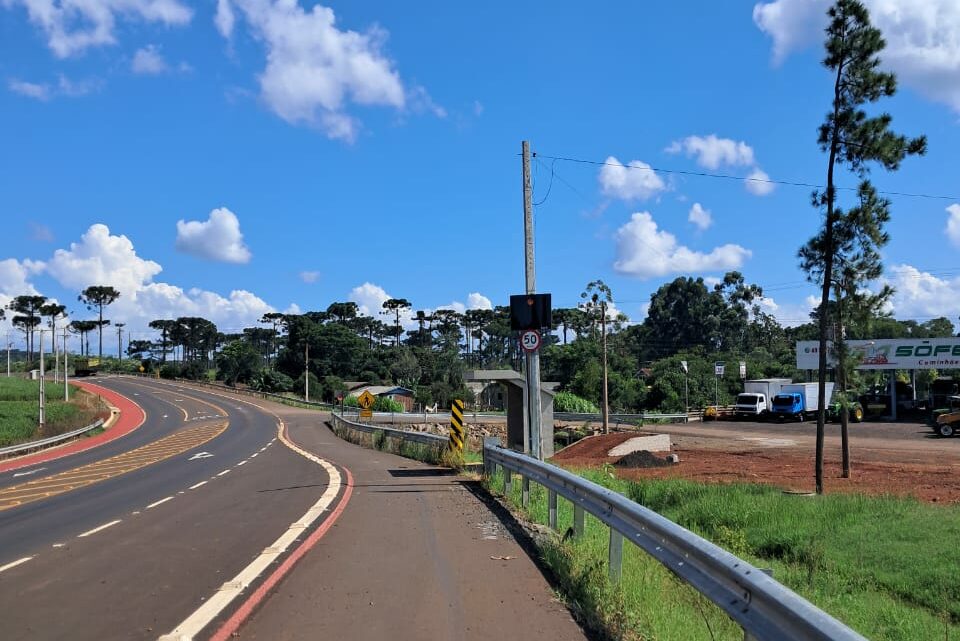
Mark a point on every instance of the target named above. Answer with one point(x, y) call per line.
point(530, 340)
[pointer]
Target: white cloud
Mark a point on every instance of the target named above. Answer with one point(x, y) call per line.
point(636, 181)
point(713, 152)
point(309, 277)
point(101, 258)
point(14, 276)
point(314, 69)
point(40, 232)
point(923, 38)
point(700, 217)
point(217, 238)
point(148, 61)
point(369, 298)
point(921, 294)
point(293, 309)
point(790, 314)
point(758, 183)
point(476, 300)
point(224, 18)
point(644, 251)
point(72, 26)
point(29, 89)
point(953, 224)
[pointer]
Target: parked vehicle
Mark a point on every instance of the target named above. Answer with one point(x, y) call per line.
point(798, 400)
point(947, 424)
point(756, 401)
point(86, 366)
point(855, 411)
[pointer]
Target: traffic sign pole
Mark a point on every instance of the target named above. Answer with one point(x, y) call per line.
point(534, 409)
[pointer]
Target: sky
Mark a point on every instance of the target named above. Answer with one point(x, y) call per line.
point(233, 157)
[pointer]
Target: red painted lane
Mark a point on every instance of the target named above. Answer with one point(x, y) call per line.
point(131, 417)
point(231, 625)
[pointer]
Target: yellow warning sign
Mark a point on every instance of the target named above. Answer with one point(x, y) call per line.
point(366, 400)
point(366, 414)
point(458, 432)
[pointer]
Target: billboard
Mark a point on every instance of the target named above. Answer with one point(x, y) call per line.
point(888, 353)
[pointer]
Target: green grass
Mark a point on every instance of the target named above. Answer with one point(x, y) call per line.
point(21, 389)
point(887, 567)
point(19, 410)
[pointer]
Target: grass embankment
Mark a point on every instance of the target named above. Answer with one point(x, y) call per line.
point(887, 567)
point(19, 410)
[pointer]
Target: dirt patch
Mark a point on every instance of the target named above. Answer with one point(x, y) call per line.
point(642, 459)
point(873, 472)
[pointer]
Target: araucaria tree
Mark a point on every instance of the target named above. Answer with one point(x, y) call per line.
point(852, 140)
point(97, 297)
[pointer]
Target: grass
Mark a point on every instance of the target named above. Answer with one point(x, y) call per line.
point(19, 411)
point(379, 440)
point(884, 566)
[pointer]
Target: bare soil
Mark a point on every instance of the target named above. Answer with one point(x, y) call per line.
point(873, 472)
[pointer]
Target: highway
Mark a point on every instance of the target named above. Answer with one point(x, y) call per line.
point(225, 516)
point(138, 550)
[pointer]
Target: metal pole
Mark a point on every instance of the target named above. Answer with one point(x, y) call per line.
point(56, 352)
point(42, 397)
point(533, 358)
point(120, 345)
point(66, 388)
point(306, 372)
point(686, 393)
point(606, 401)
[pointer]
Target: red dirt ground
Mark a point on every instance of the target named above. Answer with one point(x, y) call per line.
point(788, 468)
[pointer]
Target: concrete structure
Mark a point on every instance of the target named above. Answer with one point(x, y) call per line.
point(516, 388)
point(648, 442)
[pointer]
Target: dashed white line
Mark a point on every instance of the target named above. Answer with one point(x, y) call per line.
point(135, 512)
point(14, 564)
point(227, 471)
point(98, 529)
point(58, 545)
point(160, 502)
point(196, 485)
point(255, 455)
point(241, 463)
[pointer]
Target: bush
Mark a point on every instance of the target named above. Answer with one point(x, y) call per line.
point(193, 370)
point(269, 380)
point(384, 404)
point(570, 402)
point(351, 401)
point(170, 370)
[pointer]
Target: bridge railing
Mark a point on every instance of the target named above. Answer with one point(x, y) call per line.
point(763, 607)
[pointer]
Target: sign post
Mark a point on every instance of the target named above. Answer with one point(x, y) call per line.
point(718, 369)
point(686, 390)
point(458, 433)
point(530, 340)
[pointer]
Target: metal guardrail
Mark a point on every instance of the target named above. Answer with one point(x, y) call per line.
point(53, 440)
point(423, 438)
point(621, 418)
point(763, 607)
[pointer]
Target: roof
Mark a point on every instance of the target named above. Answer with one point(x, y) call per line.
point(383, 390)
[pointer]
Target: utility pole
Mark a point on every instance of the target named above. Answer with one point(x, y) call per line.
point(42, 394)
point(120, 327)
point(306, 372)
point(606, 402)
point(532, 358)
point(66, 388)
point(9, 345)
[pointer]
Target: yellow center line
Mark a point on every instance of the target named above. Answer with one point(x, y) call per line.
point(108, 468)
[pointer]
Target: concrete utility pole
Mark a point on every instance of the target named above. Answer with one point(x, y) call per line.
point(9, 345)
point(120, 327)
point(606, 400)
point(66, 388)
point(534, 408)
point(306, 372)
point(42, 394)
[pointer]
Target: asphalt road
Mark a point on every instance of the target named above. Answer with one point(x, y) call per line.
point(132, 555)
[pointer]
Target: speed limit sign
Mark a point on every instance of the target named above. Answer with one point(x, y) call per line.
point(530, 340)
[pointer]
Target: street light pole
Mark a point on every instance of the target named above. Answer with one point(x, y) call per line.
point(66, 388)
point(120, 327)
point(42, 394)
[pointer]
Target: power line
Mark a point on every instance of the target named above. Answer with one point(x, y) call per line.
point(705, 174)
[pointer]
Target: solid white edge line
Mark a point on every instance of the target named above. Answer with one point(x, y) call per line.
point(230, 590)
point(196, 485)
point(4, 568)
point(98, 529)
point(160, 502)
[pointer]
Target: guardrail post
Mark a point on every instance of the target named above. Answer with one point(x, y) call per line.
point(577, 520)
point(489, 467)
point(552, 507)
point(615, 556)
point(507, 482)
point(525, 485)
point(746, 635)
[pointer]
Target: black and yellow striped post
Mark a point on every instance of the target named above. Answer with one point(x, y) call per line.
point(457, 431)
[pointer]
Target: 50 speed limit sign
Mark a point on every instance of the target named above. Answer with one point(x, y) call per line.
point(530, 340)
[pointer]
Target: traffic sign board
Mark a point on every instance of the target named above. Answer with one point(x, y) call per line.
point(530, 340)
point(366, 414)
point(366, 400)
point(719, 367)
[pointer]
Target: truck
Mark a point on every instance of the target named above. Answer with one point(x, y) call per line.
point(86, 366)
point(756, 401)
point(797, 400)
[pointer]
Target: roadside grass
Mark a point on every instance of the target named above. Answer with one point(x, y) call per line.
point(432, 455)
point(884, 566)
point(19, 411)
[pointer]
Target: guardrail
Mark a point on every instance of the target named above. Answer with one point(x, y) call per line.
point(422, 438)
point(763, 607)
point(53, 440)
point(622, 418)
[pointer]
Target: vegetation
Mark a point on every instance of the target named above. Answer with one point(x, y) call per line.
point(19, 411)
point(876, 563)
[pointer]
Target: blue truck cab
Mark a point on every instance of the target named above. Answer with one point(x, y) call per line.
point(788, 405)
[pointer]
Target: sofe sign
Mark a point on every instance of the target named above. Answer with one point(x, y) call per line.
point(933, 353)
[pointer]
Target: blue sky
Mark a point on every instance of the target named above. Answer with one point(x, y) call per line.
point(313, 153)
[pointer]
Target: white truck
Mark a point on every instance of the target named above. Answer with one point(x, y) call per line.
point(756, 401)
point(798, 400)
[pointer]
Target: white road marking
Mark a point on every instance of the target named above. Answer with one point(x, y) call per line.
point(160, 502)
point(200, 455)
point(135, 513)
point(39, 469)
point(244, 462)
point(227, 471)
point(166, 415)
point(256, 454)
point(196, 485)
point(58, 545)
point(219, 600)
point(14, 564)
point(98, 529)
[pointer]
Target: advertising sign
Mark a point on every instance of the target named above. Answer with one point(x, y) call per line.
point(888, 353)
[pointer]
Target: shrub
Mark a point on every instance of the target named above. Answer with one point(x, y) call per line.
point(570, 402)
point(268, 380)
point(384, 404)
